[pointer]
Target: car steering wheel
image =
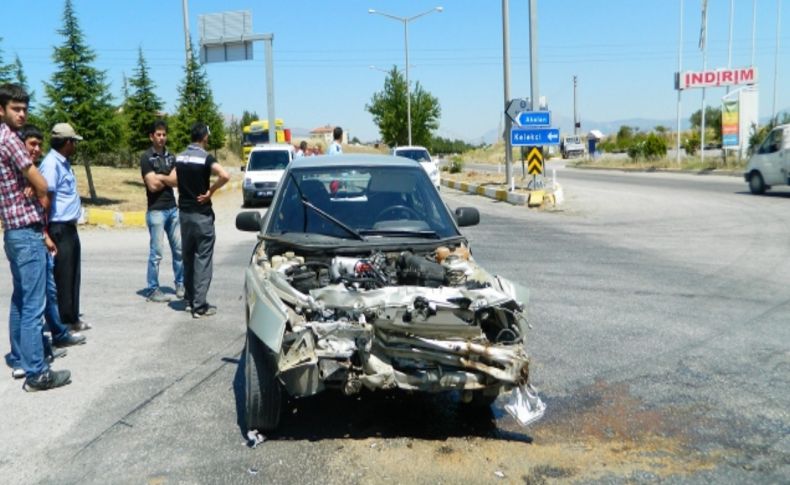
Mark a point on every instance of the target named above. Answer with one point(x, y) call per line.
point(394, 208)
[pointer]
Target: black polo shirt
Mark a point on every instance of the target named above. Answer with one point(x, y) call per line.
point(193, 167)
point(151, 161)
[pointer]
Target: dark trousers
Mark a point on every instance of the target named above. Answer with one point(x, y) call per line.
point(197, 251)
point(67, 269)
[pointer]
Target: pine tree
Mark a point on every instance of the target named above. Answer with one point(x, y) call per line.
point(195, 103)
point(20, 78)
point(141, 105)
point(6, 70)
point(79, 95)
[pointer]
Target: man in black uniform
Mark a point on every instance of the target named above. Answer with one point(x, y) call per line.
point(158, 168)
point(194, 167)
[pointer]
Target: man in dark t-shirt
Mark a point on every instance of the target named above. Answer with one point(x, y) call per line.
point(157, 166)
point(194, 168)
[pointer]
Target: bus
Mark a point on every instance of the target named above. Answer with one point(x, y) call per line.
point(257, 133)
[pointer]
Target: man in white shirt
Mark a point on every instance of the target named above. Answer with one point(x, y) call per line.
point(335, 148)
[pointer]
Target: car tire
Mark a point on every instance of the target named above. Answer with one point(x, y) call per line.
point(756, 183)
point(263, 392)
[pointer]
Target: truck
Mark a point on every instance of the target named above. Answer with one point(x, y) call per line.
point(770, 163)
point(572, 146)
point(257, 133)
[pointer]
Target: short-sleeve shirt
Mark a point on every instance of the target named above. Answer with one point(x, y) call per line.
point(152, 161)
point(57, 171)
point(193, 168)
point(335, 149)
point(16, 210)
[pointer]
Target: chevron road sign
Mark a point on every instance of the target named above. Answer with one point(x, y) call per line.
point(534, 160)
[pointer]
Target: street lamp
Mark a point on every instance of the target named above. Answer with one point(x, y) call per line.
point(406, 21)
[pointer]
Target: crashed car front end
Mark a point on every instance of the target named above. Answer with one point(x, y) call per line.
point(428, 321)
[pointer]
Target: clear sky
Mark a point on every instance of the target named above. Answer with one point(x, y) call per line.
point(624, 52)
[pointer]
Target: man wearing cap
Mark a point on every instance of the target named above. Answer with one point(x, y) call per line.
point(23, 240)
point(63, 216)
point(194, 168)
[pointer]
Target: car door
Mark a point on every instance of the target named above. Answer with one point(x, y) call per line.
point(768, 159)
point(784, 152)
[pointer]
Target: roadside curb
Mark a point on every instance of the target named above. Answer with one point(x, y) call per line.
point(536, 198)
point(107, 217)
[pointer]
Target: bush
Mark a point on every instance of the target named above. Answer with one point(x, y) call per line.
point(635, 151)
point(456, 165)
point(691, 144)
point(654, 147)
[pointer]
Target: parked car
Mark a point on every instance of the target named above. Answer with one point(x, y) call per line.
point(421, 155)
point(361, 279)
point(265, 167)
point(770, 163)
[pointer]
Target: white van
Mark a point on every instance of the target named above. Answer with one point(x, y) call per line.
point(265, 167)
point(770, 163)
point(421, 155)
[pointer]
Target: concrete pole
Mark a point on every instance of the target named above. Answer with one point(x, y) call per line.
point(406, 68)
point(680, 73)
point(575, 111)
point(506, 75)
point(533, 56)
point(267, 41)
point(187, 39)
point(702, 109)
point(754, 28)
point(776, 55)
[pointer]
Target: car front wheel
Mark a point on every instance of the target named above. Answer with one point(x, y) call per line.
point(756, 183)
point(263, 392)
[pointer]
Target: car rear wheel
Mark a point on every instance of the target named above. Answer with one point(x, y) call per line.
point(263, 393)
point(756, 183)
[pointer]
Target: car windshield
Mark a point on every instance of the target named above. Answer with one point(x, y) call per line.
point(419, 154)
point(364, 201)
point(268, 160)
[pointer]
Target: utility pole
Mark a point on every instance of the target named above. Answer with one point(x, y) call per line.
point(776, 55)
point(533, 56)
point(680, 73)
point(187, 40)
point(575, 112)
point(506, 73)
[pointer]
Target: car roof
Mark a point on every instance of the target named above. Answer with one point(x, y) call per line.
point(352, 160)
point(272, 146)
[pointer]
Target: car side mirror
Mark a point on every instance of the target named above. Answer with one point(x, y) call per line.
point(243, 168)
point(467, 216)
point(248, 221)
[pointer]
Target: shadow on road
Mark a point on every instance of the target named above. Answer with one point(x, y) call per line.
point(381, 414)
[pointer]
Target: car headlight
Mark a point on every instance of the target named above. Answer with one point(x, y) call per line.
point(247, 183)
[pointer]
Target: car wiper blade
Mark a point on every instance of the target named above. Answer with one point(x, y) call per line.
point(336, 221)
point(400, 233)
point(306, 203)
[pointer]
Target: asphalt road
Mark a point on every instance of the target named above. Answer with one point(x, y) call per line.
point(660, 344)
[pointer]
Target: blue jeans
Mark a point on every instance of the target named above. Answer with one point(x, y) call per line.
point(161, 222)
point(27, 254)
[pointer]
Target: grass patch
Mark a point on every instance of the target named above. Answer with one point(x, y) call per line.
point(686, 164)
point(122, 189)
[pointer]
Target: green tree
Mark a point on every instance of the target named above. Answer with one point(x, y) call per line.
point(79, 95)
point(6, 70)
point(388, 108)
point(20, 78)
point(196, 103)
point(141, 107)
point(712, 122)
point(247, 117)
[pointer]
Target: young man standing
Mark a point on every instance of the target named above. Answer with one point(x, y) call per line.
point(158, 168)
point(194, 167)
point(337, 138)
point(23, 238)
point(63, 216)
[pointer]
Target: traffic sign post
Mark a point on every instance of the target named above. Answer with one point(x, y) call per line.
point(534, 136)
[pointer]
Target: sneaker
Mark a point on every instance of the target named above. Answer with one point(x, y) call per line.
point(180, 291)
point(49, 379)
point(18, 373)
point(56, 354)
point(157, 296)
point(188, 307)
point(205, 312)
point(73, 338)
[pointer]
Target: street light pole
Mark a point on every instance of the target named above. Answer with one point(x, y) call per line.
point(405, 21)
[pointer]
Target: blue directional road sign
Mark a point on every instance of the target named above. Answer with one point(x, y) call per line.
point(534, 118)
point(534, 136)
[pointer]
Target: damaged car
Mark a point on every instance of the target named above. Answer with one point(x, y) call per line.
point(361, 279)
